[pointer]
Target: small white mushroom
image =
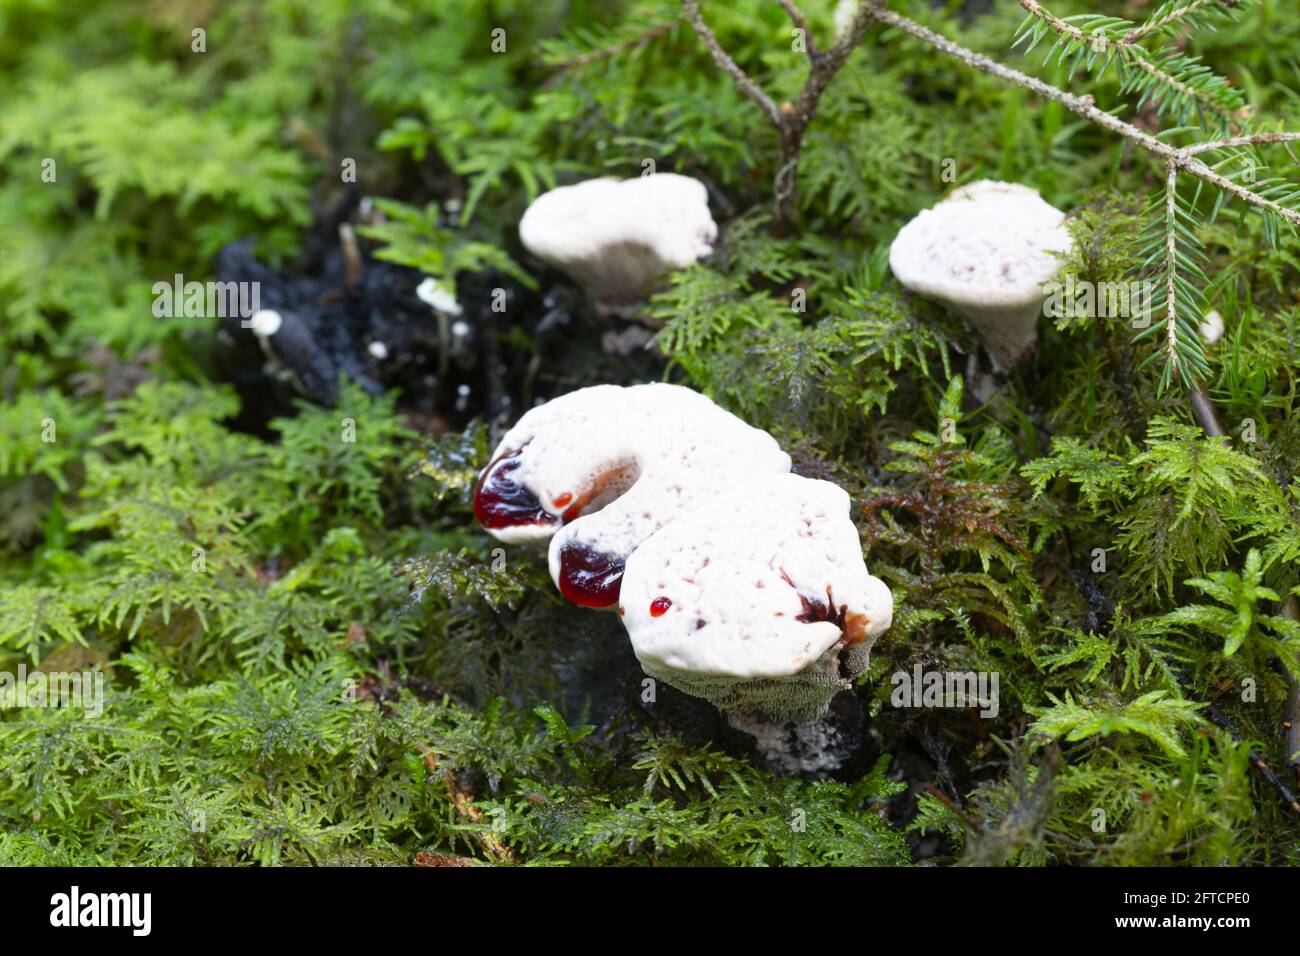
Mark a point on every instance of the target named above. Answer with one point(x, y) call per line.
point(842, 18)
point(265, 322)
point(986, 252)
point(436, 297)
point(601, 469)
point(759, 602)
point(619, 238)
point(1211, 328)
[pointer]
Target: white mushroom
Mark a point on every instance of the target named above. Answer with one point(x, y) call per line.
point(265, 323)
point(619, 238)
point(436, 297)
point(759, 602)
point(1211, 328)
point(603, 468)
point(842, 18)
point(986, 252)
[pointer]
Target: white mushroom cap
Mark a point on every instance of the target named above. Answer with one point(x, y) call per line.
point(618, 238)
point(432, 294)
point(265, 322)
point(605, 467)
point(1211, 328)
point(759, 601)
point(986, 251)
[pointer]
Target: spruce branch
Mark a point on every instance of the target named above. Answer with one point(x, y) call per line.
point(1186, 80)
point(1254, 139)
point(1086, 107)
point(1171, 264)
point(1175, 13)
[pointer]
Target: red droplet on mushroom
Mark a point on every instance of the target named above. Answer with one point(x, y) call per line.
point(659, 606)
point(589, 578)
point(502, 502)
point(563, 500)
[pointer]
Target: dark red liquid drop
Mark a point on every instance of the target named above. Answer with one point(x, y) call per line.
point(853, 627)
point(659, 606)
point(588, 578)
point(502, 502)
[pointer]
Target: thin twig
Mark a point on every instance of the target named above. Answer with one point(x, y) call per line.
point(1171, 262)
point(728, 65)
point(1224, 723)
point(829, 64)
point(462, 799)
point(801, 23)
point(1206, 415)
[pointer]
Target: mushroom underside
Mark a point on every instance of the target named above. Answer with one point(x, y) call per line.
point(799, 697)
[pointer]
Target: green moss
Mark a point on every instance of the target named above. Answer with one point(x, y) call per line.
point(278, 693)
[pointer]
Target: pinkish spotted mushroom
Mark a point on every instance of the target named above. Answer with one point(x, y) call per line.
point(986, 252)
point(599, 470)
point(618, 238)
point(759, 602)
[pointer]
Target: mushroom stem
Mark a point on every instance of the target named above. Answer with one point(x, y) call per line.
point(1009, 334)
point(809, 748)
point(795, 728)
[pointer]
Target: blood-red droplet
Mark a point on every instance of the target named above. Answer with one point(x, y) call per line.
point(659, 606)
point(502, 502)
point(589, 578)
point(563, 500)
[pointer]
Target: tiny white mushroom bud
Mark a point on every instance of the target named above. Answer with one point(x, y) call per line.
point(842, 18)
point(378, 349)
point(619, 238)
point(265, 322)
point(597, 471)
point(986, 252)
point(436, 297)
point(759, 602)
point(1212, 328)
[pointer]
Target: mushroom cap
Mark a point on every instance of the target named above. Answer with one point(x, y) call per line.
point(618, 237)
point(986, 251)
point(265, 322)
point(607, 466)
point(1211, 327)
point(770, 609)
point(432, 294)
